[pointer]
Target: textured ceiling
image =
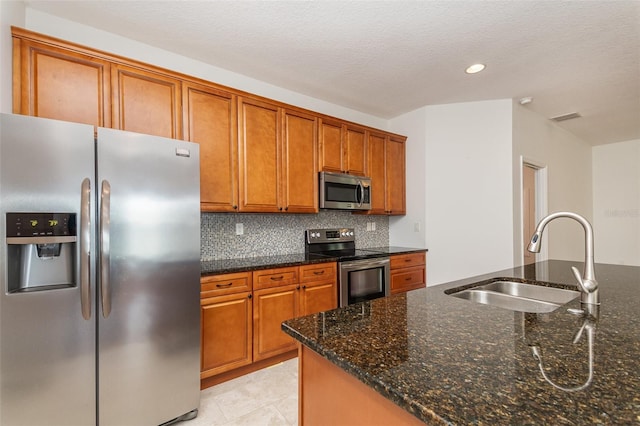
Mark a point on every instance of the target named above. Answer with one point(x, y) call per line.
point(386, 58)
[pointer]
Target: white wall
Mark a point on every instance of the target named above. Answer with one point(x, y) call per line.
point(11, 13)
point(568, 162)
point(616, 203)
point(67, 30)
point(409, 230)
point(466, 188)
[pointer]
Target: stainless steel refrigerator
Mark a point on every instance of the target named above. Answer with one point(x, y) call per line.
point(99, 275)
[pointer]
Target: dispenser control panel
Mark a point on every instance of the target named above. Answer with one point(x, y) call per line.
point(41, 225)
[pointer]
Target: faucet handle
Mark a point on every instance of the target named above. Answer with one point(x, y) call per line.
point(587, 286)
point(576, 274)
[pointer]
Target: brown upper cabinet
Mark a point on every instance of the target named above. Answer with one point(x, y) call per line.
point(56, 83)
point(342, 147)
point(258, 146)
point(210, 119)
point(146, 102)
point(277, 158)
point(299, 157)
point(386, 167)
point(256, 155)
point(395, 172)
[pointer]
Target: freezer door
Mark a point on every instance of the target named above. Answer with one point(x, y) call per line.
point(149, 278)
point(47, 347)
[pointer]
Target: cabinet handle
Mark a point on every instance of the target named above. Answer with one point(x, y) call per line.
point(304, 287)
point(318, 272)
point(298, 288)
point(224, 285)
point(407, 260)
point(408, 279)
point(280, 208)
point(235, 207)
point(250, 296)
point(277, 278)
point(286, 209)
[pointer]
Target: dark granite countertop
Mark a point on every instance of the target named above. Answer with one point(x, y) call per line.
point(225, 266)
point(395, 250)
point(452, 361)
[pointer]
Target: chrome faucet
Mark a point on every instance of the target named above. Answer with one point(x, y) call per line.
point(587, 282)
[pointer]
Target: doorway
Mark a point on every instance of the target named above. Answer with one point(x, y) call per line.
point(528, 210)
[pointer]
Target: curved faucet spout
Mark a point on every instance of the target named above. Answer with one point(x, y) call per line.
point(587, 282)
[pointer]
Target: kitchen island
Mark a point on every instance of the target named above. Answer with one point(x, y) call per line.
point(438, 359)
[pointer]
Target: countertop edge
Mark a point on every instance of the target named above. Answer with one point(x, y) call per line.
point(227, 266)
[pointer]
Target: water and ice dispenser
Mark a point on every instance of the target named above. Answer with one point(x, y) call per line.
point(40, 251)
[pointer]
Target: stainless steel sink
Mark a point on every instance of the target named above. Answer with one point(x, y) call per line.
point(517, 296)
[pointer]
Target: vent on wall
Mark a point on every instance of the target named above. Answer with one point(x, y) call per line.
point(565, 117)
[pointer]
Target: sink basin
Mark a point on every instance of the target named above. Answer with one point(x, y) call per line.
point(517, 296)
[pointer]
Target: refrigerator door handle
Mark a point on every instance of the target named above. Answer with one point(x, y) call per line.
point(105, 218)
point(85, 251)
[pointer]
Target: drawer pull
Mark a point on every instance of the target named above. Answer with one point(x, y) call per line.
point(277, 278)
point(407, 260)
point(408, 279)
point(224, 285)
point(318, 272)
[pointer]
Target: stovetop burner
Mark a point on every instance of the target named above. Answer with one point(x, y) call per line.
point(336, 243)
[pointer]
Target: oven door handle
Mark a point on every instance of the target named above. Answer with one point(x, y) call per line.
point(365, 263)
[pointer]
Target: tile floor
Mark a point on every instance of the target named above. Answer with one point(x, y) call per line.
point(268, 397)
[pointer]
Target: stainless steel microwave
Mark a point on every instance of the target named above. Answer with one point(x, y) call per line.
point(344, 192)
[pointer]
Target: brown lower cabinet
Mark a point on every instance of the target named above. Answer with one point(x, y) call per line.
point(241, 316)
point(408, 272)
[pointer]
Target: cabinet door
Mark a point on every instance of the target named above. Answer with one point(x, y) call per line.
point(355, 147)
point(146, 102)
point(407, 279)
point(226, 333)
point(210, 120)
point(377, 172)
point(57, 83)
point(408, 272)
point(270, 308)
point(318, 297)
point(299, 171)
point(318, 288)
point(258, 142)
point(395, 166)
point(330, 146)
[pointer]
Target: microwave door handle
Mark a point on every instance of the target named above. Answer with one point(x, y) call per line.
point(360, 189)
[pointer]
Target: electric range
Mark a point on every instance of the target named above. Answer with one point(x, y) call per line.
point(337, 243)
point(362, 274)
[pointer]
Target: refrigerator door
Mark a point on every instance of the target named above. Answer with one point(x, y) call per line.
point(47, 347)
point(149, 278)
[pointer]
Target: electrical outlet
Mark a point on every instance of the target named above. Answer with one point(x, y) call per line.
point(239, 229)
point(416, 227)
point(373, 226)
point(368, 226)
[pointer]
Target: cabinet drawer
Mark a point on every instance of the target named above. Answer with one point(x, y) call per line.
point(318, 272)
point(407, 260)
point(407, 279)
point(216, 285)
point(268, 278)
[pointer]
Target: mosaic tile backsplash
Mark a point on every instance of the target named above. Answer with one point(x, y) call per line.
point(276, 234)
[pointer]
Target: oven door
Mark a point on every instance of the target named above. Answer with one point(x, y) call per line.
point(362, 280)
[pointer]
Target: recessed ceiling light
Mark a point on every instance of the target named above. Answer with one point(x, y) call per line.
point(475, 68)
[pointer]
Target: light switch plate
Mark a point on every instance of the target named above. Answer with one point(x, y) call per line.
point(239, 229)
